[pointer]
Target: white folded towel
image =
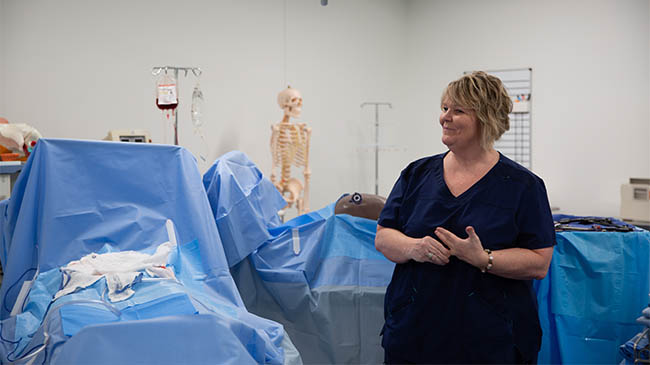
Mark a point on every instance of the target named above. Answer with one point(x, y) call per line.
point(121, 270)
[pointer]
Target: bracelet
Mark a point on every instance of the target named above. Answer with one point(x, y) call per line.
point(490, 260)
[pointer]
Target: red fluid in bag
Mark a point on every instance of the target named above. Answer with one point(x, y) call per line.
point(166, 106)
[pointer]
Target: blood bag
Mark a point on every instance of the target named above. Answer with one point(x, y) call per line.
point(167, 93)
point(167, 101)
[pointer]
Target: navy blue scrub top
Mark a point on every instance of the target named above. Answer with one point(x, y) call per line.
point(454, 313)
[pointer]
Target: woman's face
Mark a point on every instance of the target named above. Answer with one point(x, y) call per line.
point(459, 126)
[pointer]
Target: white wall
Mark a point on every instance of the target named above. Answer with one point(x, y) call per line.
point(590, 61)
point(79, 68)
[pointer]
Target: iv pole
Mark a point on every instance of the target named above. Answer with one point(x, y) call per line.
point(195, 70)
point(377, 104)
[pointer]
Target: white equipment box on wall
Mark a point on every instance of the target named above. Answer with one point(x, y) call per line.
point(128, 135)
point(635, 201)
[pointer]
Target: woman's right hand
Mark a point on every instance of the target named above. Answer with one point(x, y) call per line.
point(427, 249)
point(400, 248)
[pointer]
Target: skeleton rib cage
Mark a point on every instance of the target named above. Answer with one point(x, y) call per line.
point(290, 148)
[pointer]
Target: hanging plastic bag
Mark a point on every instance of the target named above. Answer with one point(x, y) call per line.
point(197, 107)
point(197, 120)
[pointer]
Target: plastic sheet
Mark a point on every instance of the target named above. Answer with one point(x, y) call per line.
point(318, 274)
point(77, 197)
point(329, 296)
point(243, 204)
point(595, 288)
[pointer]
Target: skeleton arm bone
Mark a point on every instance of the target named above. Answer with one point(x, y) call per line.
point(274, 152)
point(307, 172)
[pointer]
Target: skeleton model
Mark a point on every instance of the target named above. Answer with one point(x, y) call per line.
point(290, 147)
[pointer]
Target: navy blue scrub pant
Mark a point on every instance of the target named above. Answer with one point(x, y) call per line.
point(394, 360)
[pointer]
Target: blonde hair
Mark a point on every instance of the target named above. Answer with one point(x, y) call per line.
point(486, 95)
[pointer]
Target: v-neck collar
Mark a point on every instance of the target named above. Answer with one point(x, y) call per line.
point(462, 196)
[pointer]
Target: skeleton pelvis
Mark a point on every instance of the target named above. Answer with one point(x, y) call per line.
point(293, 187)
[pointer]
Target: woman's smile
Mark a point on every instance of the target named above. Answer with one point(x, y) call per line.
point(447, 128)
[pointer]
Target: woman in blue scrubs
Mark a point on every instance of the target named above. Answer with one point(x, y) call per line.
point(469, 229)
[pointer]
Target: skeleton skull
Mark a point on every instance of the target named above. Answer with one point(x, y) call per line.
point(290, 101)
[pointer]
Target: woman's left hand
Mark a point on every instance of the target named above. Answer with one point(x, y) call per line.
point(469, 249)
